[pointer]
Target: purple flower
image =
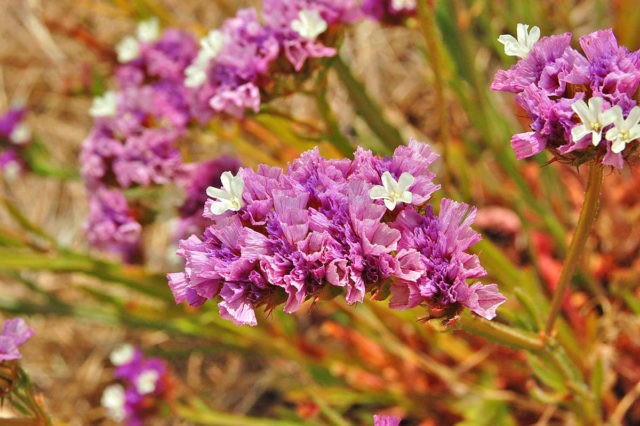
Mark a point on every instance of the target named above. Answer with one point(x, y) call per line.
point(163, 59)
point(441, 261)
point(553, 84)
point(145, 385)
point(15, 333)
point(294, 234)
point(14, 136)
point(111, 224)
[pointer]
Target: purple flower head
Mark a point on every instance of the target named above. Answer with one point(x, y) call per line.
point(14, 136)
point(15, 333)
point(111, 224)
point(277, 236)
point(225, 74)
point(300, 24)
point(437, 245)
point(145, 385)
point(163, 59)
point(572, 99)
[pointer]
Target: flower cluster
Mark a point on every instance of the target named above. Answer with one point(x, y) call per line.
point(145, 385)
point(238, 61)
point(14, 135)
point(135, 134)
point(15, 333)
point(166, 81)
point(582, 106)
point(329, 226)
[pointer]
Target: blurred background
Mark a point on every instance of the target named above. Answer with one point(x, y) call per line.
point(329, 364)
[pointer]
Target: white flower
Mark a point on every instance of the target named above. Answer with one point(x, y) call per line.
point(113, 400)
point(212, 43)
point(523, 44)
point(20, 134)
point(195, 75)
point(593, 119)
point(230, 198)
point(623, 131)
point(393, 192)
point(128, 49)
point(309, 24)
point(146, 382)
point(148, 30)
point(210, 46)
point(122, 355)
point(398, 5)
point(104, 106)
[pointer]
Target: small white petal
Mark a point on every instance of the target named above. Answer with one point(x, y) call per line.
point(218, 193)
point(377, 192)
point(229, 196)
point(146, 382)
point(113, 399)
point(398, 5)
point(634, 117)
point(148, 30)
point(405, 180)
point(195, 76)
point(122, 355)
point(212, 44)
point(618, 146)
point(388, 181)
point(20, 134)
point(583, 111)
point(104, 106)
point(579, 131)
point(523, 44)
point(309, 24)
point(391, 204)
point(128, 49)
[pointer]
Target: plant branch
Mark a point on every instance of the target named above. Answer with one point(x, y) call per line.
point(587, 216)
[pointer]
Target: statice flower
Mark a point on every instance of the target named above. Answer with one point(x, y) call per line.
point(14, 137)
point(225, 74)
point(581, 105)
point(137, 128)
point(389, 11)
point(144, 386)
point(300, 26)
point(15, 333)
point(324, 227)
point(240, 63)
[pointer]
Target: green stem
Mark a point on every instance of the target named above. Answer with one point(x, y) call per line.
point(587, 216)
point(501, 333)
point(366, 107)
point(336, 137)
point(429, 26)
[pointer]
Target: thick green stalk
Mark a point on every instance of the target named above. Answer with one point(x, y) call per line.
point(587, 216)
point(501, 333)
